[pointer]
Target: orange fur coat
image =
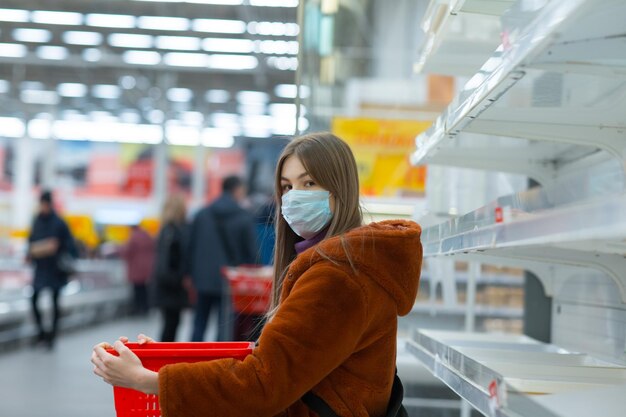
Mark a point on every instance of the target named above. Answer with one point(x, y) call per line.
point(334, 333)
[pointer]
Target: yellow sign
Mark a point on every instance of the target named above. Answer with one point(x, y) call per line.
point(381, 149)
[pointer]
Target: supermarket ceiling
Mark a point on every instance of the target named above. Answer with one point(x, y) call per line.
point(227, 65)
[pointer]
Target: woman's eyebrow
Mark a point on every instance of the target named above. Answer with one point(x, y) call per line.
point(304, 174)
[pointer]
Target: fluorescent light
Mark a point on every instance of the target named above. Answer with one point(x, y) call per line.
point(224, 120)
point(244, 46)
point(274, 3)
point(283, 63)
point(251, 109)
point(182, 95)
point(32, 35)
point(252, 97)
point(277, 47)
point(5, 86)
point(56, 53)
point(217, 96)
point(141, 57)
point(92, 55)
point(128, 82)
point(181, 43)
point(156, 116)
point(72, 90)
point(192, 118)
point(290, 90)
point(106, 91)
point(129, 116)
point(219, 26)
point(182, 59)
point(79, 37)
point(130, 40)
point(224, 2)
point(282, 110)
point(273, 28)
point(107, 131)
point(13, 50)
point(14, 15)
point(182, 135)
point(39, 97)
point(163, 23)
point(110, 20)
point(56, 18)
point(12, 127)
point(233, 62)
point(40, 128)
point(217, 138)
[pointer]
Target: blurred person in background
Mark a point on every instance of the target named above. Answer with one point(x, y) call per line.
point(49, 244)
point(170, 294)
point(222, 234)
point(138, 254)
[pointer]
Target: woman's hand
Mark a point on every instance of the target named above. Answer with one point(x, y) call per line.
point(126, 369)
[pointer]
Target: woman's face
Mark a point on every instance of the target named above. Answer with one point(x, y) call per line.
point(295, 177)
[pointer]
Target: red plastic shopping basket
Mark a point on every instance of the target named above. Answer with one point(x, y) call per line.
point(131, 403)
point(250, 288)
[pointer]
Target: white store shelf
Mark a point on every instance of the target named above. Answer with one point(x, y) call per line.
point(501, 374)
point(573, 54)
point(459, 35)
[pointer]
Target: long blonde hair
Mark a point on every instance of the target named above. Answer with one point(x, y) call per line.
point(330, 163)
point(174, 210)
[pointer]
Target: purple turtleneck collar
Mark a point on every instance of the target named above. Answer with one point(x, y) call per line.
point(309, 243)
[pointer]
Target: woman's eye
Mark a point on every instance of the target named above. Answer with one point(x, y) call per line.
point(286, 187)
point(309, 184)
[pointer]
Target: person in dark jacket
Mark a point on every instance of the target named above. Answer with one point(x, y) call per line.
point(50, 240)
point(222, 234)
point(170, 294)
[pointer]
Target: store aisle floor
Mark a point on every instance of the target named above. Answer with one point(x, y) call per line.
point(35, 382)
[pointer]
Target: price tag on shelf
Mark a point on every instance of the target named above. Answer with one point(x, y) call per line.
point(499, 215)
point(494, 398)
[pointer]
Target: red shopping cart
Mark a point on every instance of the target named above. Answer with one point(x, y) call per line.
point(131, 403)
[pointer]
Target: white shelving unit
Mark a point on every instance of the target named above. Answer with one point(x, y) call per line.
point(549, 104)
point(460, 35)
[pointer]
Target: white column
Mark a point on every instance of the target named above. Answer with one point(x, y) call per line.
point(159, 175)
point(198, 180)
point(48, 163)
point(23, 179)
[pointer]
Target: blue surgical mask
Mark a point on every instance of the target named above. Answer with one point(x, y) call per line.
point(307, 212)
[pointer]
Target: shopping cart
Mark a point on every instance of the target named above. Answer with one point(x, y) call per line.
point(131, 403)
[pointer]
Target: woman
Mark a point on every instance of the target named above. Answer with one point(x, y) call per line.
point(170, 294)
point(338, 289)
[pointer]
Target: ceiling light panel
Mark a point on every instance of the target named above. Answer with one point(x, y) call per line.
point(130, 40)
point(181, 43)
point(12, 127)
point(182, 59)
point(106, 91)
point(55, 53)
point(241, 46)
point(141, 57)
point(163, 23)
point(72, 90)
point(217, 96)
point(290, 90)
point(39, 97)
point(274, 3)
point(13, 50)
point(14, 15)
point(181, 95)
point(110, 20)
point(92, 55)
point(32, 35)
point(217, 138)
point(219, 26)
point(252, 97)
point(78, 37)
point(56, 18)
point(233, 62)
point(273, 28)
